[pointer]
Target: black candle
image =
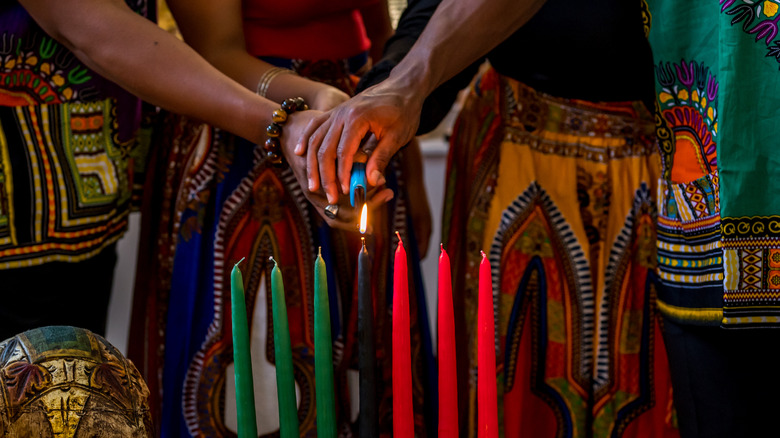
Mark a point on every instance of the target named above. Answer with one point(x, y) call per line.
point(368, 422)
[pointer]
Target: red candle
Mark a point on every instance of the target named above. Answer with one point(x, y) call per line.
point(487, 399)
point(448, 383)
point(403, 414)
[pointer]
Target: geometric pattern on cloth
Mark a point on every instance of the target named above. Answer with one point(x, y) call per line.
point(535, 241)
point(751, 248)
point(529, 305)
point(551, 238)
point(690, 258)
point(66, 137)
point(534, 234)
point(76, 185)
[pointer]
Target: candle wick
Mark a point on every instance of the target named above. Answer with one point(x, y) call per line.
point(320, 251)
point(271, 259)
point(400, 242)
point(483, 254)
point(441, 245)
point(363, 242)
point(239, 262)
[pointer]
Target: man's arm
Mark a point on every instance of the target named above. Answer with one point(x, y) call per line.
point(411, 24)
point(458, 33)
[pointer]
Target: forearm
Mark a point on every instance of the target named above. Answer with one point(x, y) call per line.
point(410, 26)
point(458, 33)
point(150, 63)
point(215, 31)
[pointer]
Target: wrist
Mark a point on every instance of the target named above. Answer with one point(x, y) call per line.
point(288, 85)
point(273, 144)
point(414, 75)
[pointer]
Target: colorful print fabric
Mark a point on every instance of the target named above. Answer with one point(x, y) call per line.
point(69, 150)
point(222, 201)
point(719, 207)
point(561, 193)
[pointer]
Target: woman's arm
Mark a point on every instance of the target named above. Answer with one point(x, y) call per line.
point(130, 50)
point(215, 30)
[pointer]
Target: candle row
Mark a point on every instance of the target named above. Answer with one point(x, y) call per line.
point(403, 414)
point(487, 399)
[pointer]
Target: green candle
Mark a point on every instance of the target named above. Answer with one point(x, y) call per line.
point(285, 382)
point(323, 353)
point(242, 361)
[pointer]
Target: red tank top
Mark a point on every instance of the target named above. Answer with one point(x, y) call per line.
point(305, 29)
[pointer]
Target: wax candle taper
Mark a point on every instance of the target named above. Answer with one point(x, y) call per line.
point(403, 412)
point(285, 380)
point(242, 360)
point(487, 398)
point(323, 353)
point(448, 383)
point(368, 421)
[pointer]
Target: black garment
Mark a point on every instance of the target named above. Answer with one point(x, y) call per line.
point(57, 293)
point(719, 379)
point(591, 50)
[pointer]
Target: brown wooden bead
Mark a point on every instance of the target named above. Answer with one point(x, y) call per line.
point(280, 116)
point(272, 144)
point(273, 130)
point(299, 103)
point(289, 105)
point(273, 158)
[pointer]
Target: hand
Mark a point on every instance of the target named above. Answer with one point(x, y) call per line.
point(327, 97)
point(392, 116)
point(347, 218)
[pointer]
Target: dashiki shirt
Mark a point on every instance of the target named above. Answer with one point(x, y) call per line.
point(559, 193)
point(718, 109)
point(68, 148)
point(216, 200)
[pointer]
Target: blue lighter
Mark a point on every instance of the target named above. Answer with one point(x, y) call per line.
point(358, 184)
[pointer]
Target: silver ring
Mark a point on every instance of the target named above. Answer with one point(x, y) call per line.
point(331, 210)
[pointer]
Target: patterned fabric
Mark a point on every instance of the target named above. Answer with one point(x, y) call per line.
point(222, 202)
point(717, 111)
point(69, 150)
point(561, 192)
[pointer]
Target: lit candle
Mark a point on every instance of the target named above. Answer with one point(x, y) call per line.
point(242, 361)
point(285, 382)
point(487, 399)
point(369, 420)
point(403, 413)
point(448, 384)
point(323, 353)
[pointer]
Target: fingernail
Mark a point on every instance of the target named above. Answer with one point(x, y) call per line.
point(332, 199)
point(390, 196)
point(378, 177)
point(311, 185)
point(298, 148)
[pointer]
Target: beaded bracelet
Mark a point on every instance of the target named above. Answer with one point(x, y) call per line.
point(273, 147)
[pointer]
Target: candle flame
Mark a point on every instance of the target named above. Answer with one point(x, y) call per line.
point(364, 219)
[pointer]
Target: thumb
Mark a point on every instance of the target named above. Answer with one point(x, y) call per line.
point(378, 161)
